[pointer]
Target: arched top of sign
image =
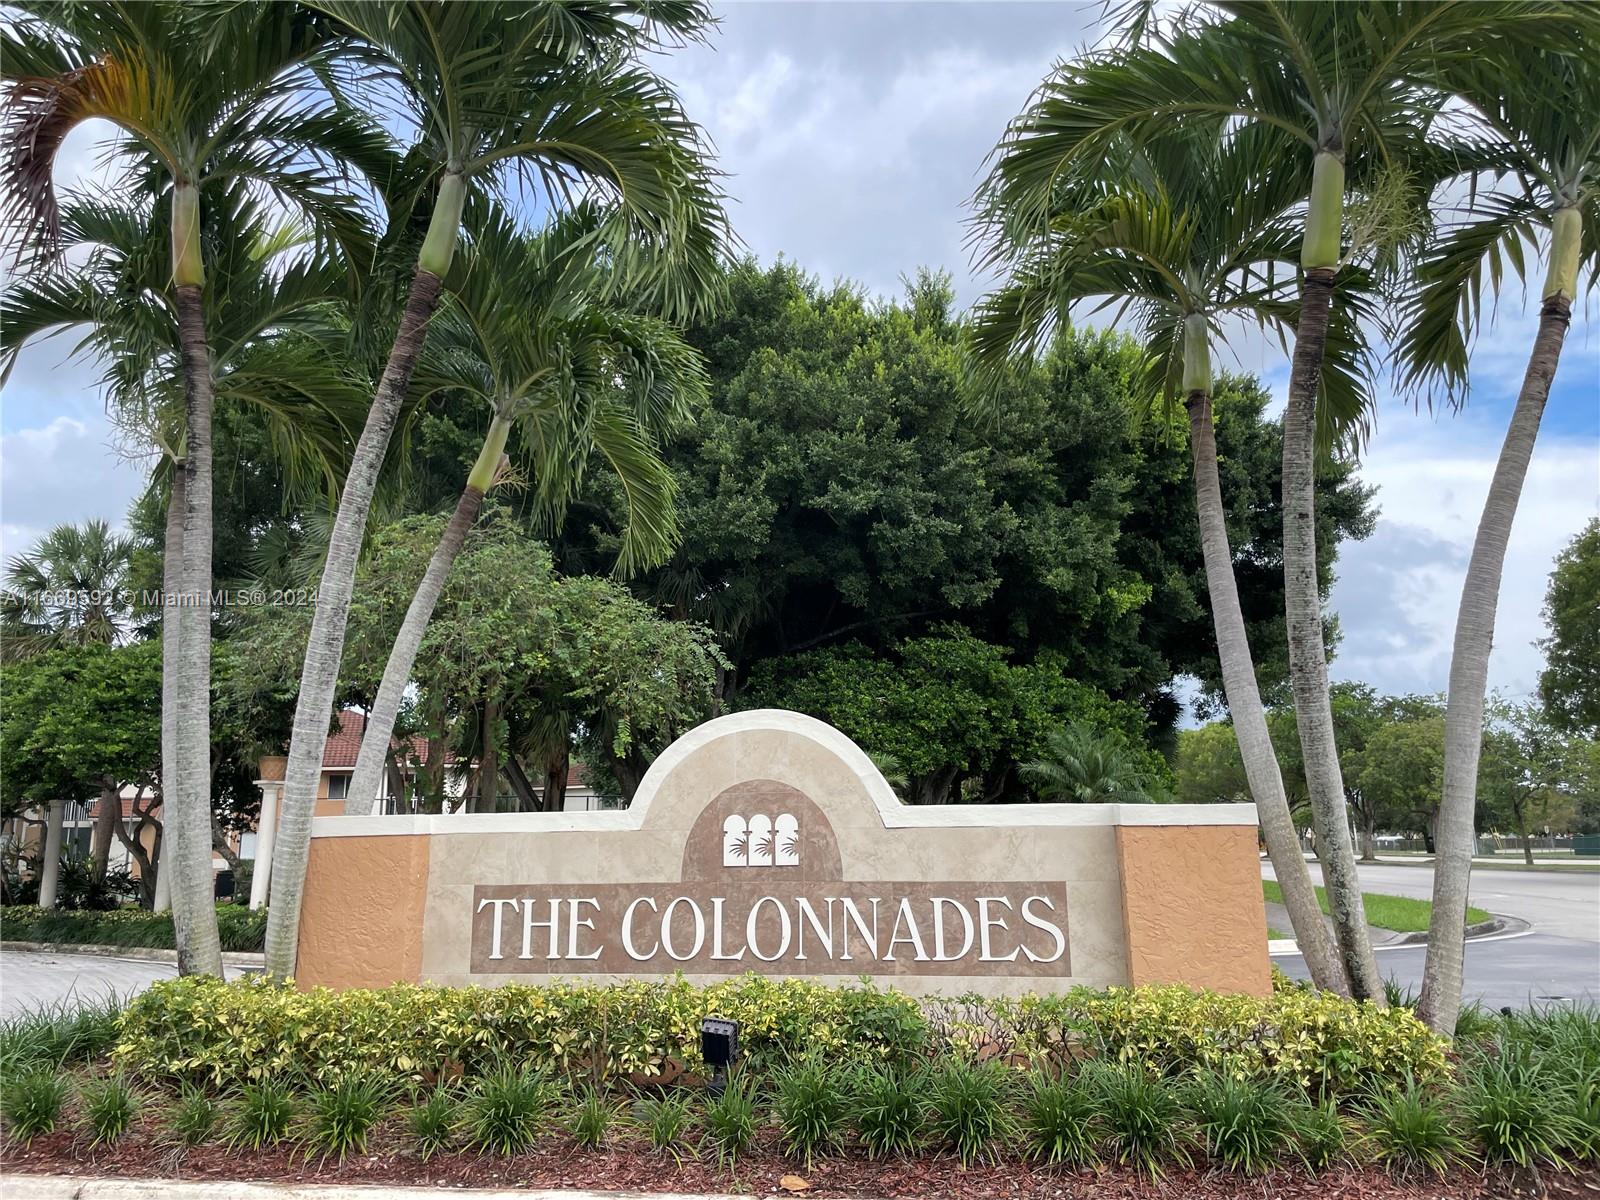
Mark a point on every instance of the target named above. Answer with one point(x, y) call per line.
point(773, 746)
point(707, 741)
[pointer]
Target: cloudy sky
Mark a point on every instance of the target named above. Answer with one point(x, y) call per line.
point(852, 134)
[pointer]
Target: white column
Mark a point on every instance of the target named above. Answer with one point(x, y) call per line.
point(50, 868)
point(266, 835)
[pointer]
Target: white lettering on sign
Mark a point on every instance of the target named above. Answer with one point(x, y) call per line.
point(614, 926)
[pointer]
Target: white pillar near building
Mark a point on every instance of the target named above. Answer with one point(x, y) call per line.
point(50, 868)
point(271, 785)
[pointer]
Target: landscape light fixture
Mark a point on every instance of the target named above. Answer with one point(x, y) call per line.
point(719, 1046)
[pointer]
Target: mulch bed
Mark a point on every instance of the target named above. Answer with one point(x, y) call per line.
point(628, 1164)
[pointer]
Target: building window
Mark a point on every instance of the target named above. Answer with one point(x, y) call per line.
point(338, 787)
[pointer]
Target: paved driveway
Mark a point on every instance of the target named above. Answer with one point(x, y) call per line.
point(30, 979)
point(1556, 958)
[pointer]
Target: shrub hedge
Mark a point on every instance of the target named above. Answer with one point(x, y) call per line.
point(204, 1031)
point(239, 928)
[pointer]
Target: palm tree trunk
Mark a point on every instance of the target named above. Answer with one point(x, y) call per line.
point(1249, 718)
point(364, 783)
point(1308, 662)
point(194, 910)
point(172, 591)
point(555, 779)
point(1440, 1003)
point(325, 647)
point(489, 772)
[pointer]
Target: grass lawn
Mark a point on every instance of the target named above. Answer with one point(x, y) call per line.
point(1276, 935)
point(1399, 913)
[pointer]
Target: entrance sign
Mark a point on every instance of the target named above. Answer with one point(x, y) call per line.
point(768, 842)
point(762, 889)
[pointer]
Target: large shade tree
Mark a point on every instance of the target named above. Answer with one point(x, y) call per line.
point(1545, 145)
point(203, 95)
point(554, 95)
point(1181, 237)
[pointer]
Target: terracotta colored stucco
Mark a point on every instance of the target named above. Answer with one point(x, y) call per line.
point(361, 925)
point(1192, 908)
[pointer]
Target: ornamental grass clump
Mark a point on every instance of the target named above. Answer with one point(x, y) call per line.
point(31, 1103)
point(1244, 1123)
point(730, 1122)
point(433, 1123)
point(261, 1115)
point(592, 1117)
point(58, 1035)
point(812, 1104)
point(1409, 1130)
point(1060, 1121)
point(1321, 1134)
point(969, 1109)
point(1581, 1104)
point(194, 1117)
point(504, 1114)
point(343, 1115)
point(886, 1110)
point(1144, 1119)
point(1513, 1112)
point(665, 1120)
point(109, 1106)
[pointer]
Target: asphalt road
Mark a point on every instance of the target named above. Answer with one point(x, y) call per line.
point(1556, 958)
point(30, 980)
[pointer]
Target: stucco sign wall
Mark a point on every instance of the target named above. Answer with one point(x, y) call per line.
point(768, 842)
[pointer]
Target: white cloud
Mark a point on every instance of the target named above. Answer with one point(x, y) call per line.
point(1397, 593)
point(64, 471)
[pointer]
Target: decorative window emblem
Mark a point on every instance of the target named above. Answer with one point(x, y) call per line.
point(761, 841)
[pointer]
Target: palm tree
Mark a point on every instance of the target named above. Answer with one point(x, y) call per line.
point(206, 95)
point(275, 342)
point(1347, 82)
point(529, 334)
point(500, 92)
point(1179, 235)
point(1083, 766)
point(70, 589)
point(1538, 109)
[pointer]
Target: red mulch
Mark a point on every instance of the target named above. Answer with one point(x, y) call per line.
point(628, 1164)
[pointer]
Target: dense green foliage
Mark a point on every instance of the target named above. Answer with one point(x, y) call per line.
point(240, 928)
point(1570, 684)
point(951, 711)
point(838, 489)
point(77, 716)
point(1153, 1078)
point(207, 1031)
point(1531, 775)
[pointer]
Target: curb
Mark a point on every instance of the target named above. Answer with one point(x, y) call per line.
point(1277, 947)
point(1420, 938)
point(232, 958)
point(74, 1187)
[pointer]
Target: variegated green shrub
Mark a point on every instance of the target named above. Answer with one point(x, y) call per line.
point(204, 1031)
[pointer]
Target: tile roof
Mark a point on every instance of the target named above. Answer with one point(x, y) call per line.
point(344, 744)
